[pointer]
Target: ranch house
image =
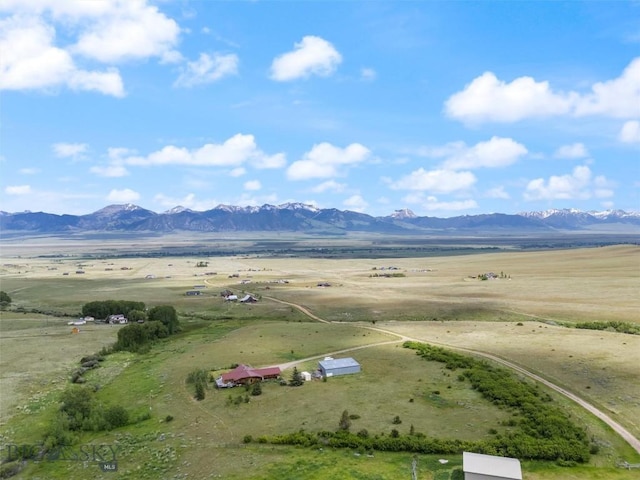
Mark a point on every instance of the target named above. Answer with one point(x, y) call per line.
point(477, 466)
point(246, 375)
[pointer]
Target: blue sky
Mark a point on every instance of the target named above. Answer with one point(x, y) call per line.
point(446, 108)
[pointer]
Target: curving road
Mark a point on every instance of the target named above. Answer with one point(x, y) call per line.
point(619, 429)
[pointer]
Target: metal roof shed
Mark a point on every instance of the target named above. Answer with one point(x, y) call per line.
point(338, 366)
point(477, 466)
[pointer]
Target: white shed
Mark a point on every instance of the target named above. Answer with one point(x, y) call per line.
point(306, 376)
point(477, 466)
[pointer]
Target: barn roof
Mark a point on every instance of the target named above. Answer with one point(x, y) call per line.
point(501, 467)
point(245, 371)
point(338, 363)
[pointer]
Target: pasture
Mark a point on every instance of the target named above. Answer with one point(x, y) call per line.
point(435, 299)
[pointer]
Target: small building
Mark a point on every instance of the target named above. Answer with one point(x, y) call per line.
point(248, 299)
point(246, 375)
point(231, 298)
point(477, 466)
point(330, 367)
point(192, 293)
point(118, 318)
point(306, 376)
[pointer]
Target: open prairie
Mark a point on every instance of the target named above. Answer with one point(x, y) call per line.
point(523, 315)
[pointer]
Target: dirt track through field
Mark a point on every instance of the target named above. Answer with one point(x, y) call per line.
point(619, 429)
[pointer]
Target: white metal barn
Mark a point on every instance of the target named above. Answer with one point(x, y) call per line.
point(338, 366)
point(477, 466)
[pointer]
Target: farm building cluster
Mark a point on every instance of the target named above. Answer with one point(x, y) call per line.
point(246, 375)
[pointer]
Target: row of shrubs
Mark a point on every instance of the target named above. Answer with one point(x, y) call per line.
point(545, 432)
point(620, 327)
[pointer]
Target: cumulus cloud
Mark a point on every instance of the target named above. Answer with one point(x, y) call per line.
point(234, 152)
point(207, 69)
point(325, 160)
point(312, 56)
point(252, 185)
point(489, 99)
point(17, 189)
point(125, 195)
point(368, 74)
point(329, 186)
point(580, 184)
point(105, 31)
point(432, 203)
point(630, 132)
point(497, 192)
point(494, 153)
point(30, 61)
point(435, 181)
point(618, 98)
point(575, 150)
point(355, 203)
point(129, 30)
point(69, 150)
point(110, 171)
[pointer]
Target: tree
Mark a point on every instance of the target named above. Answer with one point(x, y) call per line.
point(256, 389)
point(167, 315)
point(5, 299)
point(200, 390)
point(116, 416)
point(296, 378)
point(345, 421)
point(137, 316)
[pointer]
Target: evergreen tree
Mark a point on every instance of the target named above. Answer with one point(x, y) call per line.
point(296, 378)
point(345, 421)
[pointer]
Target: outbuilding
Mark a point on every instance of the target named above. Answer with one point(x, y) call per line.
point(330, 367)
point(477, 466)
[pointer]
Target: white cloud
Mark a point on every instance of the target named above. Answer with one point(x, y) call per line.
point(207, 69)
point(497, 192)
point(435, 181)
point(234, 152)
point(578, 185)
point(29, 171)
point(69, 150)
point(432, 204)
point(129, 30)
point(575, 150)
point(355, 203)
point(496, 152)
point(17, 189)
point(312, 56)
point(237, 172)
point(368, 74)
point(618, 98)
point(123, 196)
point(325, 160)
point(110, 171)
point(331, 186)
point(630, 132)
point(30, 61)
point(488, 99)
point(252, 185)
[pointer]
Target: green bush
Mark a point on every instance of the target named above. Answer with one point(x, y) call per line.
point(116, 416)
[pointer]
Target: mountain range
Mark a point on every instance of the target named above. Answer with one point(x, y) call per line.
point(299, 217)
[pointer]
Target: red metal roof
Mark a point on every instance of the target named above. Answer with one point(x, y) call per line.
point(244, 371)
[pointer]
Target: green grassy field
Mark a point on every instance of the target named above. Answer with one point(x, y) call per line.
point(435, 300)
